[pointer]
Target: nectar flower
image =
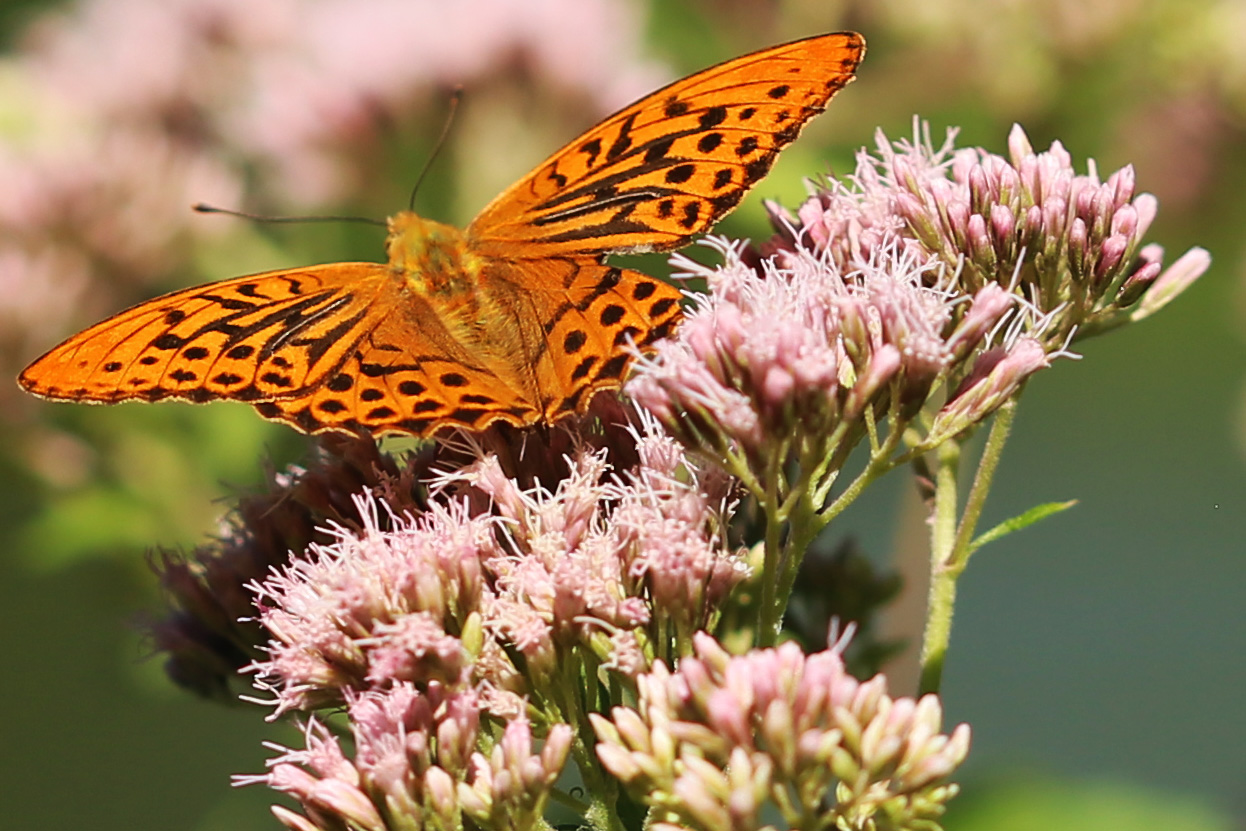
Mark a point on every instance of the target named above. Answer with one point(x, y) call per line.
point(1064, 241)
point(795, 352)
point(722, 738)
point(416, 765)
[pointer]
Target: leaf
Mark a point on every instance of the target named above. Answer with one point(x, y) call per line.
point(1020, 521)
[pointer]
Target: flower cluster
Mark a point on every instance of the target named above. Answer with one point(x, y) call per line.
point(487, 606)
point(1065, 242)
point(416, 764)
point(722, 741)
point(884, 295)
point(799, 355)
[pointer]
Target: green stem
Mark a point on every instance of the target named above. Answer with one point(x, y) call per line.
point(942, 599)
point(767, 619)
point(572, 687)
point(951, 541)
point(880, 462)
point(1001, 427)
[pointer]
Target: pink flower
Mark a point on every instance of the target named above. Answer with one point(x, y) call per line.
point(797, 351)
point(713, 741)
point(1064, 241)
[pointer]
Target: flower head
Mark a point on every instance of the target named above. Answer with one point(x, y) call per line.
point(1063, 241)
point(798, 351)
point(446, 633)
point(722, 738)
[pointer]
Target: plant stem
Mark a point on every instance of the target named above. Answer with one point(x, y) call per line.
point(942, 599)
point(951, 542)
point(1001, 427)
point(767, 617)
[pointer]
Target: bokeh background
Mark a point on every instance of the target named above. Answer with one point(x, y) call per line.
point(1100, 656)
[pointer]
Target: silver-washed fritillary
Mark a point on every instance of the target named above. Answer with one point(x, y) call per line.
point(517, 318)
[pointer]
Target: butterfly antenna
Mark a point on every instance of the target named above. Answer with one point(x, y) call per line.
point(455, 97)
point(212, 209)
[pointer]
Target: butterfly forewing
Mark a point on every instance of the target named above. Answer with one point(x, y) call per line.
point(250, 338)
point(672, 164)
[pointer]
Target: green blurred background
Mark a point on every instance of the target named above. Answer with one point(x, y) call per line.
point(1099, 656)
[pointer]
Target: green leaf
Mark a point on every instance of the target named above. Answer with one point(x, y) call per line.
point(1020, 521)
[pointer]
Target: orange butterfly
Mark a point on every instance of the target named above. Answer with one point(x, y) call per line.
point(517, 318)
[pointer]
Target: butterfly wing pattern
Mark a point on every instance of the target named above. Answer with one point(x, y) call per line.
point(669, 166)
point(518, 318)
point(245, 339)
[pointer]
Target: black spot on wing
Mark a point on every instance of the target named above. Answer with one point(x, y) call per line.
point(583, 368)
point(680, 174)
point(612, 314)
point(712, 117)
point(574, 341)
point(657, 150)
point(168, 341)
point(709, 142)
point(624, 140)
point(613, 368)
point(674, 107)
point(692, 211)
point(592, 149)
point(644, 290)
point(412, 388)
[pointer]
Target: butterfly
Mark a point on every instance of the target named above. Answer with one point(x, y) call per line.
point(516, 318)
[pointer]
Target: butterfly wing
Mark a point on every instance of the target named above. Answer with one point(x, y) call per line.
point(538, 326)
point(245, 339)
point(586, 319)
point(558, 344)
point(669, 166)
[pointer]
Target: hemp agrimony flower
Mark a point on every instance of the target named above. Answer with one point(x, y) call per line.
point(724, 740)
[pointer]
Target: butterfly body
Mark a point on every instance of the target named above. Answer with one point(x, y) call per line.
point(517, 318)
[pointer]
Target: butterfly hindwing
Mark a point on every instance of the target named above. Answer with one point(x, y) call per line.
point(587, 319)
point(669, 166)
point(518, 354)
point(411, 374)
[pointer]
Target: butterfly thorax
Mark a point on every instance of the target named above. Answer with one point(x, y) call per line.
point(466, 314)
point(434, 258)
